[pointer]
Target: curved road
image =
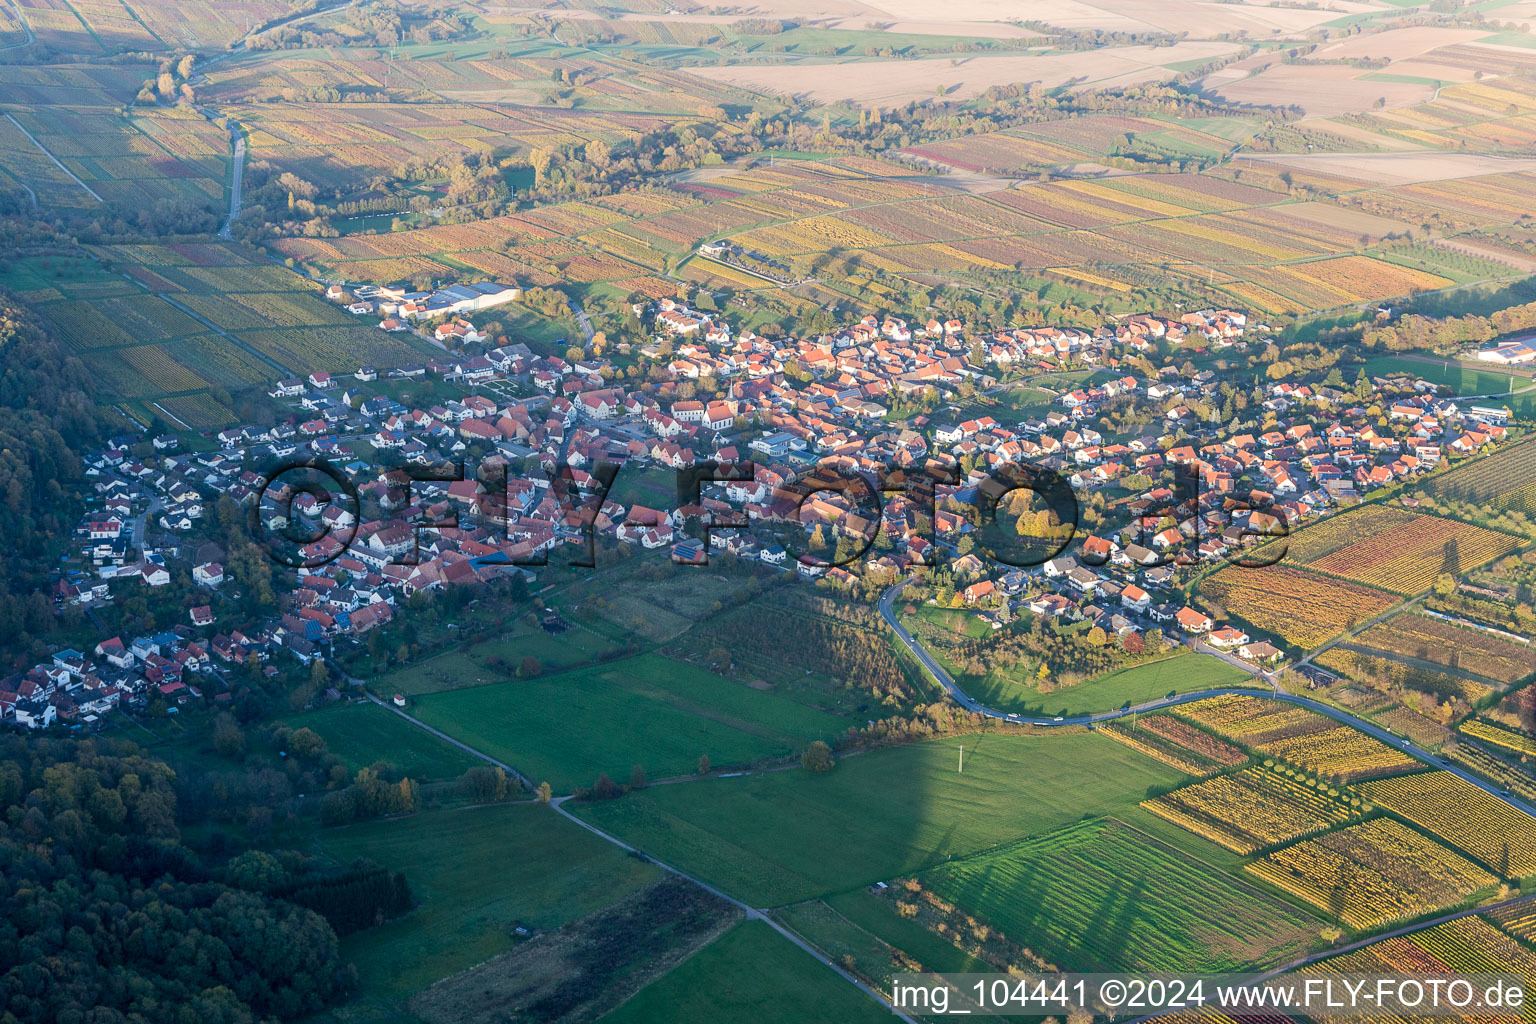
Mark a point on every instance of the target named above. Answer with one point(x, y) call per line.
point(887, 612)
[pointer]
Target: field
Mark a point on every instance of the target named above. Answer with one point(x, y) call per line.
point(365, 734)
point(1137, 684)
point(1256, 807)
point(1522, 743)
point(174, 330)
point(1445, 643)
point(456, 863)
point(1101, 896)
point(650, 711)
point(86, 156)
point(1395, 549)
point(874, 82)
point(1374, 873)
point(495, 660)
point(1469, 945)
point(750, 974)
point(1493, 832)
point(1304, 738)
point(1176, 743)
point(1497, 479)
point(1301, 608)
point(1495, 770)
point(1244, 242)
point(783, 837)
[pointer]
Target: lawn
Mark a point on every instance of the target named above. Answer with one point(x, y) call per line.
point(474, 874)
point(751, 975)
point(872, 933)
point(649, 710)
point(362, 734)
point(1182, 672)
point(783, 837)
point(457, 668)
point(1101, 896)
point(1464, 380)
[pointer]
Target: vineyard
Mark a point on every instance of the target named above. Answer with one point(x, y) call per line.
point(1300, 607)
point(1457, 647)
point(1394, 549)
point(1176, 743)
point(1341, 752)
point(1257, 807)
point(1521, 743)
point(1484, 826)
point(1406, 556)
point(1468, 945)
point(144, 346)
point(1493, 769)
point(1374, 873)
point(1305, 738)
point(1250, 720)
point(1102, 896)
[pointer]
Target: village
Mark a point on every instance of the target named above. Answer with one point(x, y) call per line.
point(872, 396)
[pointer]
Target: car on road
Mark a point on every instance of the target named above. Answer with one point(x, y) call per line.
point(1059, 718)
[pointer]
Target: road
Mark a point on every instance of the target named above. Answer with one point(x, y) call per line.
point(20, 17)
point(944, 679)
point(583, 320)
point(482, 755)
point(237, 178)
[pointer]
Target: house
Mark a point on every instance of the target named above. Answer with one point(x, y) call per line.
point(1135, 598)
point(209, 574)
point(1192, 621)
point(1227, 636)
point(980, 591)
point(202, 615)
point(1259, 652)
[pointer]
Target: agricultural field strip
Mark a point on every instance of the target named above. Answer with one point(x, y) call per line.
point(751, 912)
point(223, 333)
point(1366, 726)
point(1325, 709)
point(584, 233)
point(44, 150)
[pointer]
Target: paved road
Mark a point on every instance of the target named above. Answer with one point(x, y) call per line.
point(237, 178)
point(583, 320)
point(888, 600)
point(20, 17)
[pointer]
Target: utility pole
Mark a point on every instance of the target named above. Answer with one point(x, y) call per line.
point(961, 769)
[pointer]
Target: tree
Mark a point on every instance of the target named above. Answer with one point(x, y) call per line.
point(817, 758)
point(304, 743)
point(637, 777)
point(544, 792)
point(529, 668)
point(605, 788)
point(703, 764)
